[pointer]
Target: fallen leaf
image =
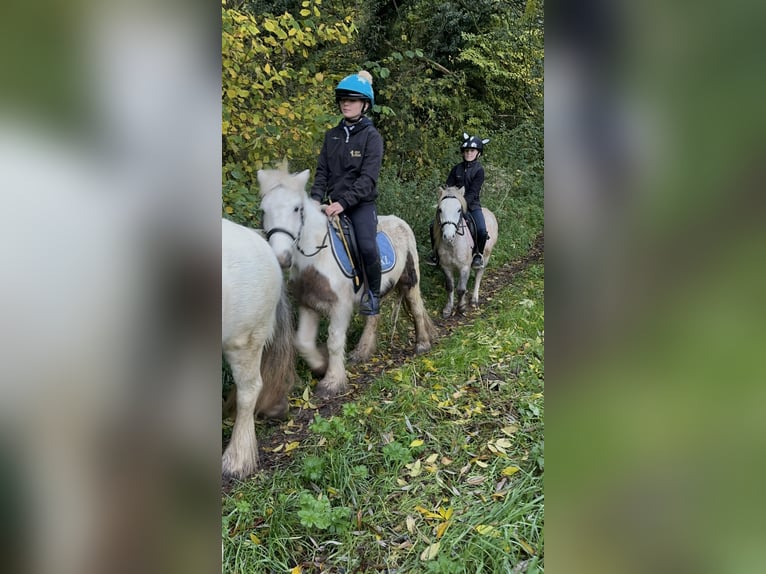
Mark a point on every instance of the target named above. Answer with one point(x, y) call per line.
point(416, 442)
point(410, 524)
point(415, 468)
point(292, 446)
point(430, 552)
point(442, 528)
point(529, 550)
point(510, 470)
point(254, 538)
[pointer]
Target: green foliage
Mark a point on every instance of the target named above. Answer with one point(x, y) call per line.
point(319, 514)
point(334, 429)
point(396, 453)
point(276, 93)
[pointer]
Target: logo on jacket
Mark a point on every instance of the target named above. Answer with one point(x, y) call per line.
point(356, 153)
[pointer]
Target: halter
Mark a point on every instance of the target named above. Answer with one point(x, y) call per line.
point(297, 240)
point(459, 227)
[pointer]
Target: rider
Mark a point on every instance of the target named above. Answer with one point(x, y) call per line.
point(347, 172)
point(469, 174)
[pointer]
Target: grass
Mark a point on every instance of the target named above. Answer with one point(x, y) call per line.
point(436, 467)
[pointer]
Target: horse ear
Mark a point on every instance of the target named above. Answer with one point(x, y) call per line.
point(303, 177)
point(461, 190)
point(263, 179)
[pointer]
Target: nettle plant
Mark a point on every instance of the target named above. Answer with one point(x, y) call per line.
point(318, 513)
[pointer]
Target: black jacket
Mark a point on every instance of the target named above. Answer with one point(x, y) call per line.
point(349, 164)
point(469, 175)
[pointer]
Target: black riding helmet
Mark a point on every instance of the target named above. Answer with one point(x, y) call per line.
point(473, 142)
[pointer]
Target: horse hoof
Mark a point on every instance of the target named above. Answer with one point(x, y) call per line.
point(446, 313)
point(422, 348)
point(327, 391)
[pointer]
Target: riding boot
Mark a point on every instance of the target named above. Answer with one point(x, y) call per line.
point(370, 304)
point(478, 257)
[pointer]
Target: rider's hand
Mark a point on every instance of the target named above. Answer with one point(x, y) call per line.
point(334, 208)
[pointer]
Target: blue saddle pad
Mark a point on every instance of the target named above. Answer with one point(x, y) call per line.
point(385, 247)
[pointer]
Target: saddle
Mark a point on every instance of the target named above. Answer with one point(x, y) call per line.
point(346, 251)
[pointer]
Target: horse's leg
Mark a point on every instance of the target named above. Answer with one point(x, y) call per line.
point(449, 285)
point(425, 331)
point(368, 341)
point(306, 340)
point(462, 287)
point(476, 285)
point(241, 456)
point(334, 381)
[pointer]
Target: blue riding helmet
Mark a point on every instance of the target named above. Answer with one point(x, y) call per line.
point(473, 142)
point(356, 86)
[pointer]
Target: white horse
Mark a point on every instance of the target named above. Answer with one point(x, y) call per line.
point(256, 316)
point(454, 246)
point(298, 232)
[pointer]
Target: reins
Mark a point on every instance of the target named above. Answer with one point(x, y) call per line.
point(297, 240)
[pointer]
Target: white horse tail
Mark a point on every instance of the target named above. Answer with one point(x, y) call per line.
point(278, 363)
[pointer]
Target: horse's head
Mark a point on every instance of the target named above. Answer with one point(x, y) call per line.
point(282, 203)
point(450, 210)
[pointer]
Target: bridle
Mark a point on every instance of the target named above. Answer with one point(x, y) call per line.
point(297, 239)
point(460, 226)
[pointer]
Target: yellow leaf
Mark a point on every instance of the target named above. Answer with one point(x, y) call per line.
point(292, 446)
point(267, 68)
point(229, 209)
point(296, 570)
point(526, 547)
point(431, 459)
point(304, 12)
point(446, 514)
point(416, 442)
point(254, 538)
point(510, 470)
point(486, 530)
point(430, 552)
point(415, 468)
point(442, 529)
point(278, 448)
point(427, 513)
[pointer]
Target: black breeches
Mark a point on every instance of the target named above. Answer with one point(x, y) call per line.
point(481, 229)
point(364, 216)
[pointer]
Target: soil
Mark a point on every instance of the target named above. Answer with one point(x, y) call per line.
point(492, 283)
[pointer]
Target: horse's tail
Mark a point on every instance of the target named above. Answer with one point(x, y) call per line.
point(278, 363)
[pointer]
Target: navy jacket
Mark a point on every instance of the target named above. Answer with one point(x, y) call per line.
point(349, 164)
point(471, 176)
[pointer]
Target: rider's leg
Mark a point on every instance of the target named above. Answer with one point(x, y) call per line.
point(481, 238)
point(365, 219)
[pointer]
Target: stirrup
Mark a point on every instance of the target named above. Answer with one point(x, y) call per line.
point(432, 260)
point(370, 304)
point(478, 261)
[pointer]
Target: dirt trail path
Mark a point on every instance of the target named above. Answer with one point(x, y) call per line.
point(492, 283)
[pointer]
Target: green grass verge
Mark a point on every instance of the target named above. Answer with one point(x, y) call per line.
point(436, 467)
